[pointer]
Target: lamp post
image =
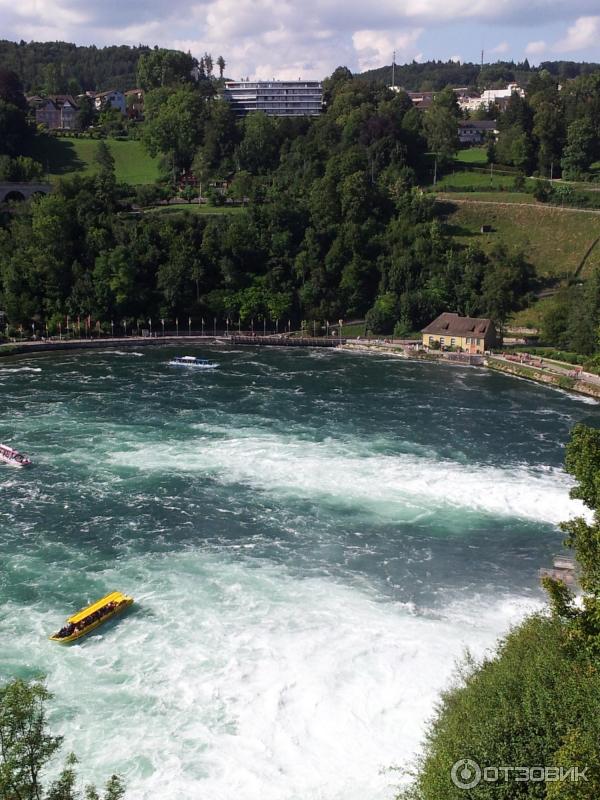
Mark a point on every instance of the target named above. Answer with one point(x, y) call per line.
point(150, 324)
point(240, 326)
point(190, 326)
point(162, 322)
point(112, 329)
point(177, 325)
point(277, 327)
point(215, 327)
point(341, 321)
point(227, 326)
point(59, 330)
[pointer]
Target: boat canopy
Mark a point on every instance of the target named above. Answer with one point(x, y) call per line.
point(113, 597)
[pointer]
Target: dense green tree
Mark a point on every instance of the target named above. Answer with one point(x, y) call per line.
point(257, 151)
point(160, 67)
point(26, 747)
point(86, 116)
point(13, 128)
point(579, 150)
point(220, 137)
point(441, 129)
point(175, 125)
point(548, 128)
point(11, 89)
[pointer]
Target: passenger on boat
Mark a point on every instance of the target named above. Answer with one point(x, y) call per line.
point(69, 630)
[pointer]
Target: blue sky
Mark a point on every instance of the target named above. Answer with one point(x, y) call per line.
point(289, 39)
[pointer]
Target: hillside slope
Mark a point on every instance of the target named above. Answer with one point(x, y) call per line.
point(554, 240)
point(61, 157)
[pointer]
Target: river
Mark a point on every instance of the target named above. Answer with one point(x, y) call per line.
point(312, 539)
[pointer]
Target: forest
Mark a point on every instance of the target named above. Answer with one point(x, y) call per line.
point(335, 225)
point(424, 76)
point(61, 67)
point(331, 218)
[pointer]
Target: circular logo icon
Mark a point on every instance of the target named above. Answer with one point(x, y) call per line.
point(466, 774)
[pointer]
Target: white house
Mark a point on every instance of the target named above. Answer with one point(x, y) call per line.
point(476, 131)
point(111, 99)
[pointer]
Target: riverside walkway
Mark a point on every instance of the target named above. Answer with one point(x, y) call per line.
point(169, 338)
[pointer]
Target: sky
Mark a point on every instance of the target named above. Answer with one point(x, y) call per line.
point(289, 39)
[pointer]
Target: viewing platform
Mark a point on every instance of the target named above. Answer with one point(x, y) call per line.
point(286, 341)
point(564, 568)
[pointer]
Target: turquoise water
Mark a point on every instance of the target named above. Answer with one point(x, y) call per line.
point(312, 539)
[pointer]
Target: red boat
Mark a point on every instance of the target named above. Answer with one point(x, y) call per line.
point(11, 456)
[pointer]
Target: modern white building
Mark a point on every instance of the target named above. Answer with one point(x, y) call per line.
point(499, 97)
point(275, 98)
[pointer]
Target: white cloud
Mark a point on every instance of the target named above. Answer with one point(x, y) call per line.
point(374, 48)
point(536, 48)
point(583, 34)
point(456, 59)
point(287, 38)
point(56, 13)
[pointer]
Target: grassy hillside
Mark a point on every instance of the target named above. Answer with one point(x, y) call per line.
point(554, 240)
point(67, 156)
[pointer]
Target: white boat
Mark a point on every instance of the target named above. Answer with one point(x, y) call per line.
point(11, 456)
point(192, 361)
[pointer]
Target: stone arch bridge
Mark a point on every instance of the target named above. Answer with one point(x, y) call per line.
point(16, 191)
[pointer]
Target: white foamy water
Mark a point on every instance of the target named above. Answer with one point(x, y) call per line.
point(269, 655)
point(352, 474)
point(237, 680)
point(19, 369)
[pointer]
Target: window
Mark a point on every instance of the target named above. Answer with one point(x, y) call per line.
point(442, 340)
point(431, 340)
point(453, 342)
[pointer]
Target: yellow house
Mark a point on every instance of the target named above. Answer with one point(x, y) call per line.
point(469, 334)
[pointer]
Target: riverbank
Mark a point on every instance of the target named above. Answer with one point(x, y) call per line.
point(544, 376)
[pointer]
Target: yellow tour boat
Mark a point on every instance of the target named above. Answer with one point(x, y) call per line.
point(92, 617)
